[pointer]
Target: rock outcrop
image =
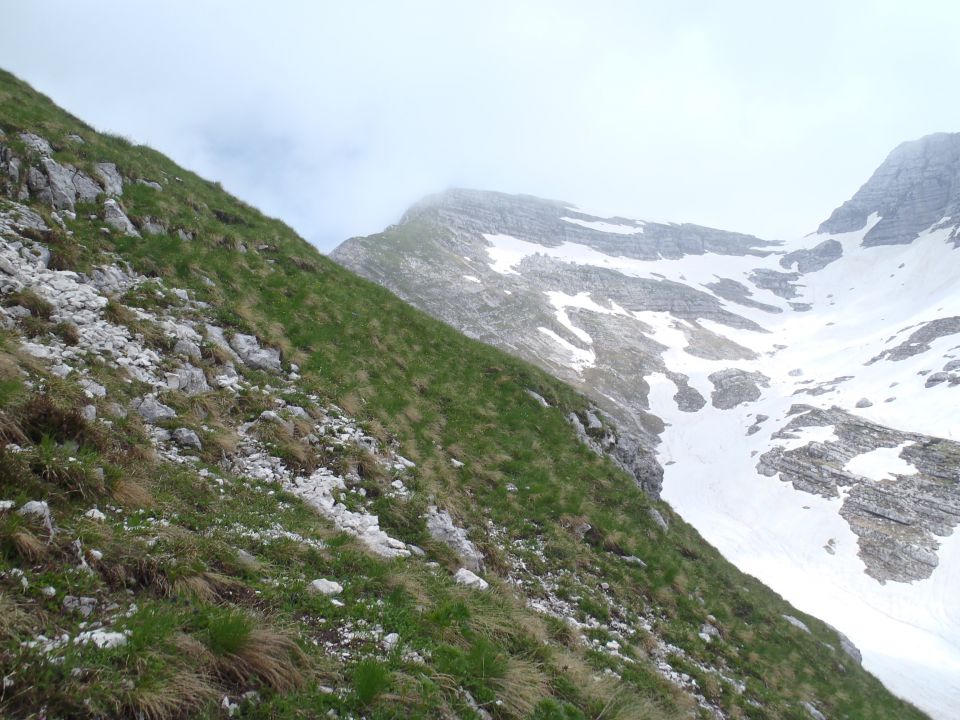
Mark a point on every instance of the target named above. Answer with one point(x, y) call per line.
point(917, 186)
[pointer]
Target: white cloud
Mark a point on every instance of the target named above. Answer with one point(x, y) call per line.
point(749, 116)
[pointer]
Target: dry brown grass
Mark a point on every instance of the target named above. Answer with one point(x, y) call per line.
point(413, 414)
point(132, 493)
point(269, 656)
point(28, 546)
point(617, 700)
point(502, 617)
point(13, 621)
point(181, 695)
point(412, 583)
point(351, 404)
point(522, 687)
point(376, 429)
point(10, 430)
point(208, 587)
point(226, 441)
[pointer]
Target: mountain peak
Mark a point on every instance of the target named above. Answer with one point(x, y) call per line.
point(915, 187)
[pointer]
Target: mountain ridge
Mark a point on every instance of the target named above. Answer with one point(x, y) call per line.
point(238, 480)
point(772, 365)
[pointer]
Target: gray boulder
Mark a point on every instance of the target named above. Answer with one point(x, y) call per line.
point(60, 186)
point(187, 348)
point(218, 339)
point(115, 217)
point(846, 644)
point(82, 605)
point(189, 380)
point(86, 189)
point(111, 179)
point(152, 410)
point(659, 520)
point(154, 227)
point(250, 352)
point(442, 529)
point(463, 576)
point(36, 143)
point(186, 437)
point(796, 622)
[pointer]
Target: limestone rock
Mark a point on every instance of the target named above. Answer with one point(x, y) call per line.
point(797, 623)
point(442, 529)
point(659, 520)
point(470, 579)
point(115, 217)
point(250, 352)
point(390, 641)
point(915, 187)
point(734, 386)
point(185, 437)
point(152, 410)
point(82, 605)
point(39, 511)
point(36, 143)
point(152, 226)
point(189, 380)
point(849, 648)
point(95, 514)
point(323, 586)
point(815, 258)
point(111, 179)
point(188, 349)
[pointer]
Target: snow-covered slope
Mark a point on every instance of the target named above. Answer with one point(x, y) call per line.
point(801, 396)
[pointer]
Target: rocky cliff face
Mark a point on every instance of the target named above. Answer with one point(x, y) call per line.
point(915, 188)
point(796, 393)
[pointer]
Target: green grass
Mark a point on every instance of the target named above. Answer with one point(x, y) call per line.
point(171, 544)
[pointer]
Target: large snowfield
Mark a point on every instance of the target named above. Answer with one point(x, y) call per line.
point(868, 301)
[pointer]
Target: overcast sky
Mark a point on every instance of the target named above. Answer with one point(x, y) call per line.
point(759, 117)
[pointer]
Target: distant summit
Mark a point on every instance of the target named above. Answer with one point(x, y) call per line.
point(915, 187)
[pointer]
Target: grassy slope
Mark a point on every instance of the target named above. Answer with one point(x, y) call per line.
point(441, 395)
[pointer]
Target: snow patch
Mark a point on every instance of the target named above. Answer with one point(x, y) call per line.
point(881, 464)
point(603, 226)
point(580, 358)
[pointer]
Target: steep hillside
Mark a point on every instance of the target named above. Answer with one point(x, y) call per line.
point(238, 480)
point(800, 396)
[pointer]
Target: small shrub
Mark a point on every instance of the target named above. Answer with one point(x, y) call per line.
point(55, 414)
point(17, 539)
point(370, 678)
point(67, 332)
point(118, 313)
point(64, 256)
point(228, 633)
point(34, 326)
point(27, 298)
point(245, 651)
point(72, 468)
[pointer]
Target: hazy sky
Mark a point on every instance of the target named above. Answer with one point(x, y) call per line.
point(759, 117)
